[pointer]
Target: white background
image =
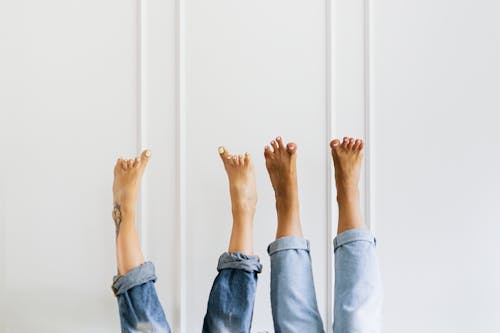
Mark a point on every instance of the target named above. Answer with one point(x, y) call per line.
point(83, 82)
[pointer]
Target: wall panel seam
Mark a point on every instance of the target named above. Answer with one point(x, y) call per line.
point(368, 119)
point(329, 176)
point(140, 117)
point(181, 155)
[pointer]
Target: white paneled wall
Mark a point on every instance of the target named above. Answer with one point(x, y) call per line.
point(84, 81)
point(434, 73)
point(249, 78)
point(68, 107)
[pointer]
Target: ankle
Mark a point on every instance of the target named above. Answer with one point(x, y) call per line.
point(243, 212)
point(126, 208)
point(347, 194)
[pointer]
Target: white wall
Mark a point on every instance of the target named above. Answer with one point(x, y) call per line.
point(84, 81)
point(434, 99)
point(68, 107)
point(249, 78)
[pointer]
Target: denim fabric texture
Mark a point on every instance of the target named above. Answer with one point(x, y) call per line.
point(293, 298)
point(231, 301)
point(139, 306)
point(358, 287)
point(358, 290)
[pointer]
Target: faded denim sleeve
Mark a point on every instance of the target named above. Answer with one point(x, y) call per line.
point(138, 303)
point(358, 287)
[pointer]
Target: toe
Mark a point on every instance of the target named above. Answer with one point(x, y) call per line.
point(345, 142)
point(267, 152)
point(118, 165)
point(130, 163)
point(275, 146)
point(335, 143)
point(247, 159)
point(124, 164)
point(291, 148)
point(241, 160)
point(144, 159)
point(223, 153)
point(145, 156)
point(357, 143)
point(279, 142)
point(135, 162)
point(351, 144)
point(361, 145)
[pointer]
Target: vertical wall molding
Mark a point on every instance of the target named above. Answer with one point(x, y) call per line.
point(368, 126)
point(348, 110)
point(181, 156)
point(140, 80)
point(329, 175)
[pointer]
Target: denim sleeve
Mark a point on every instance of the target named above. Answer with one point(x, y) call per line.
point(293, 298)
point(139, 306)
point(358, 287)
point(231, 301)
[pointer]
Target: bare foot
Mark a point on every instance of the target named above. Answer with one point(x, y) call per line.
point(347, 158)
point(128, 174)
point(243, 191)
point(281, 165)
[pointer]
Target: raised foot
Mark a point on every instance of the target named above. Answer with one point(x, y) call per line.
point(282, 168)
point(242, 185)
point(128, 174)
point(347, 158)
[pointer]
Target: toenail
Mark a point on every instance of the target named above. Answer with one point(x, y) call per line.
point(148, 153)
point(221, 150)
point(278, 138)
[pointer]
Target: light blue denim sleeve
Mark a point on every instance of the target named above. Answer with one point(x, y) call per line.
point(293, 298)
point(138, 303)
point(232, 297)
point(358, 287)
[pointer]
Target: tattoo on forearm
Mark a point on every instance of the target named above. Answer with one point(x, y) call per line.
point(117, 217)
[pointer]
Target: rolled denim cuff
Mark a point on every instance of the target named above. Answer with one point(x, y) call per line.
point(353, 235)
point(238, 260)
point(288, 243)
point(139, 275)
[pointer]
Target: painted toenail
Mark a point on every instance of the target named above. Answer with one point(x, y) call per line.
point(221, 150)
